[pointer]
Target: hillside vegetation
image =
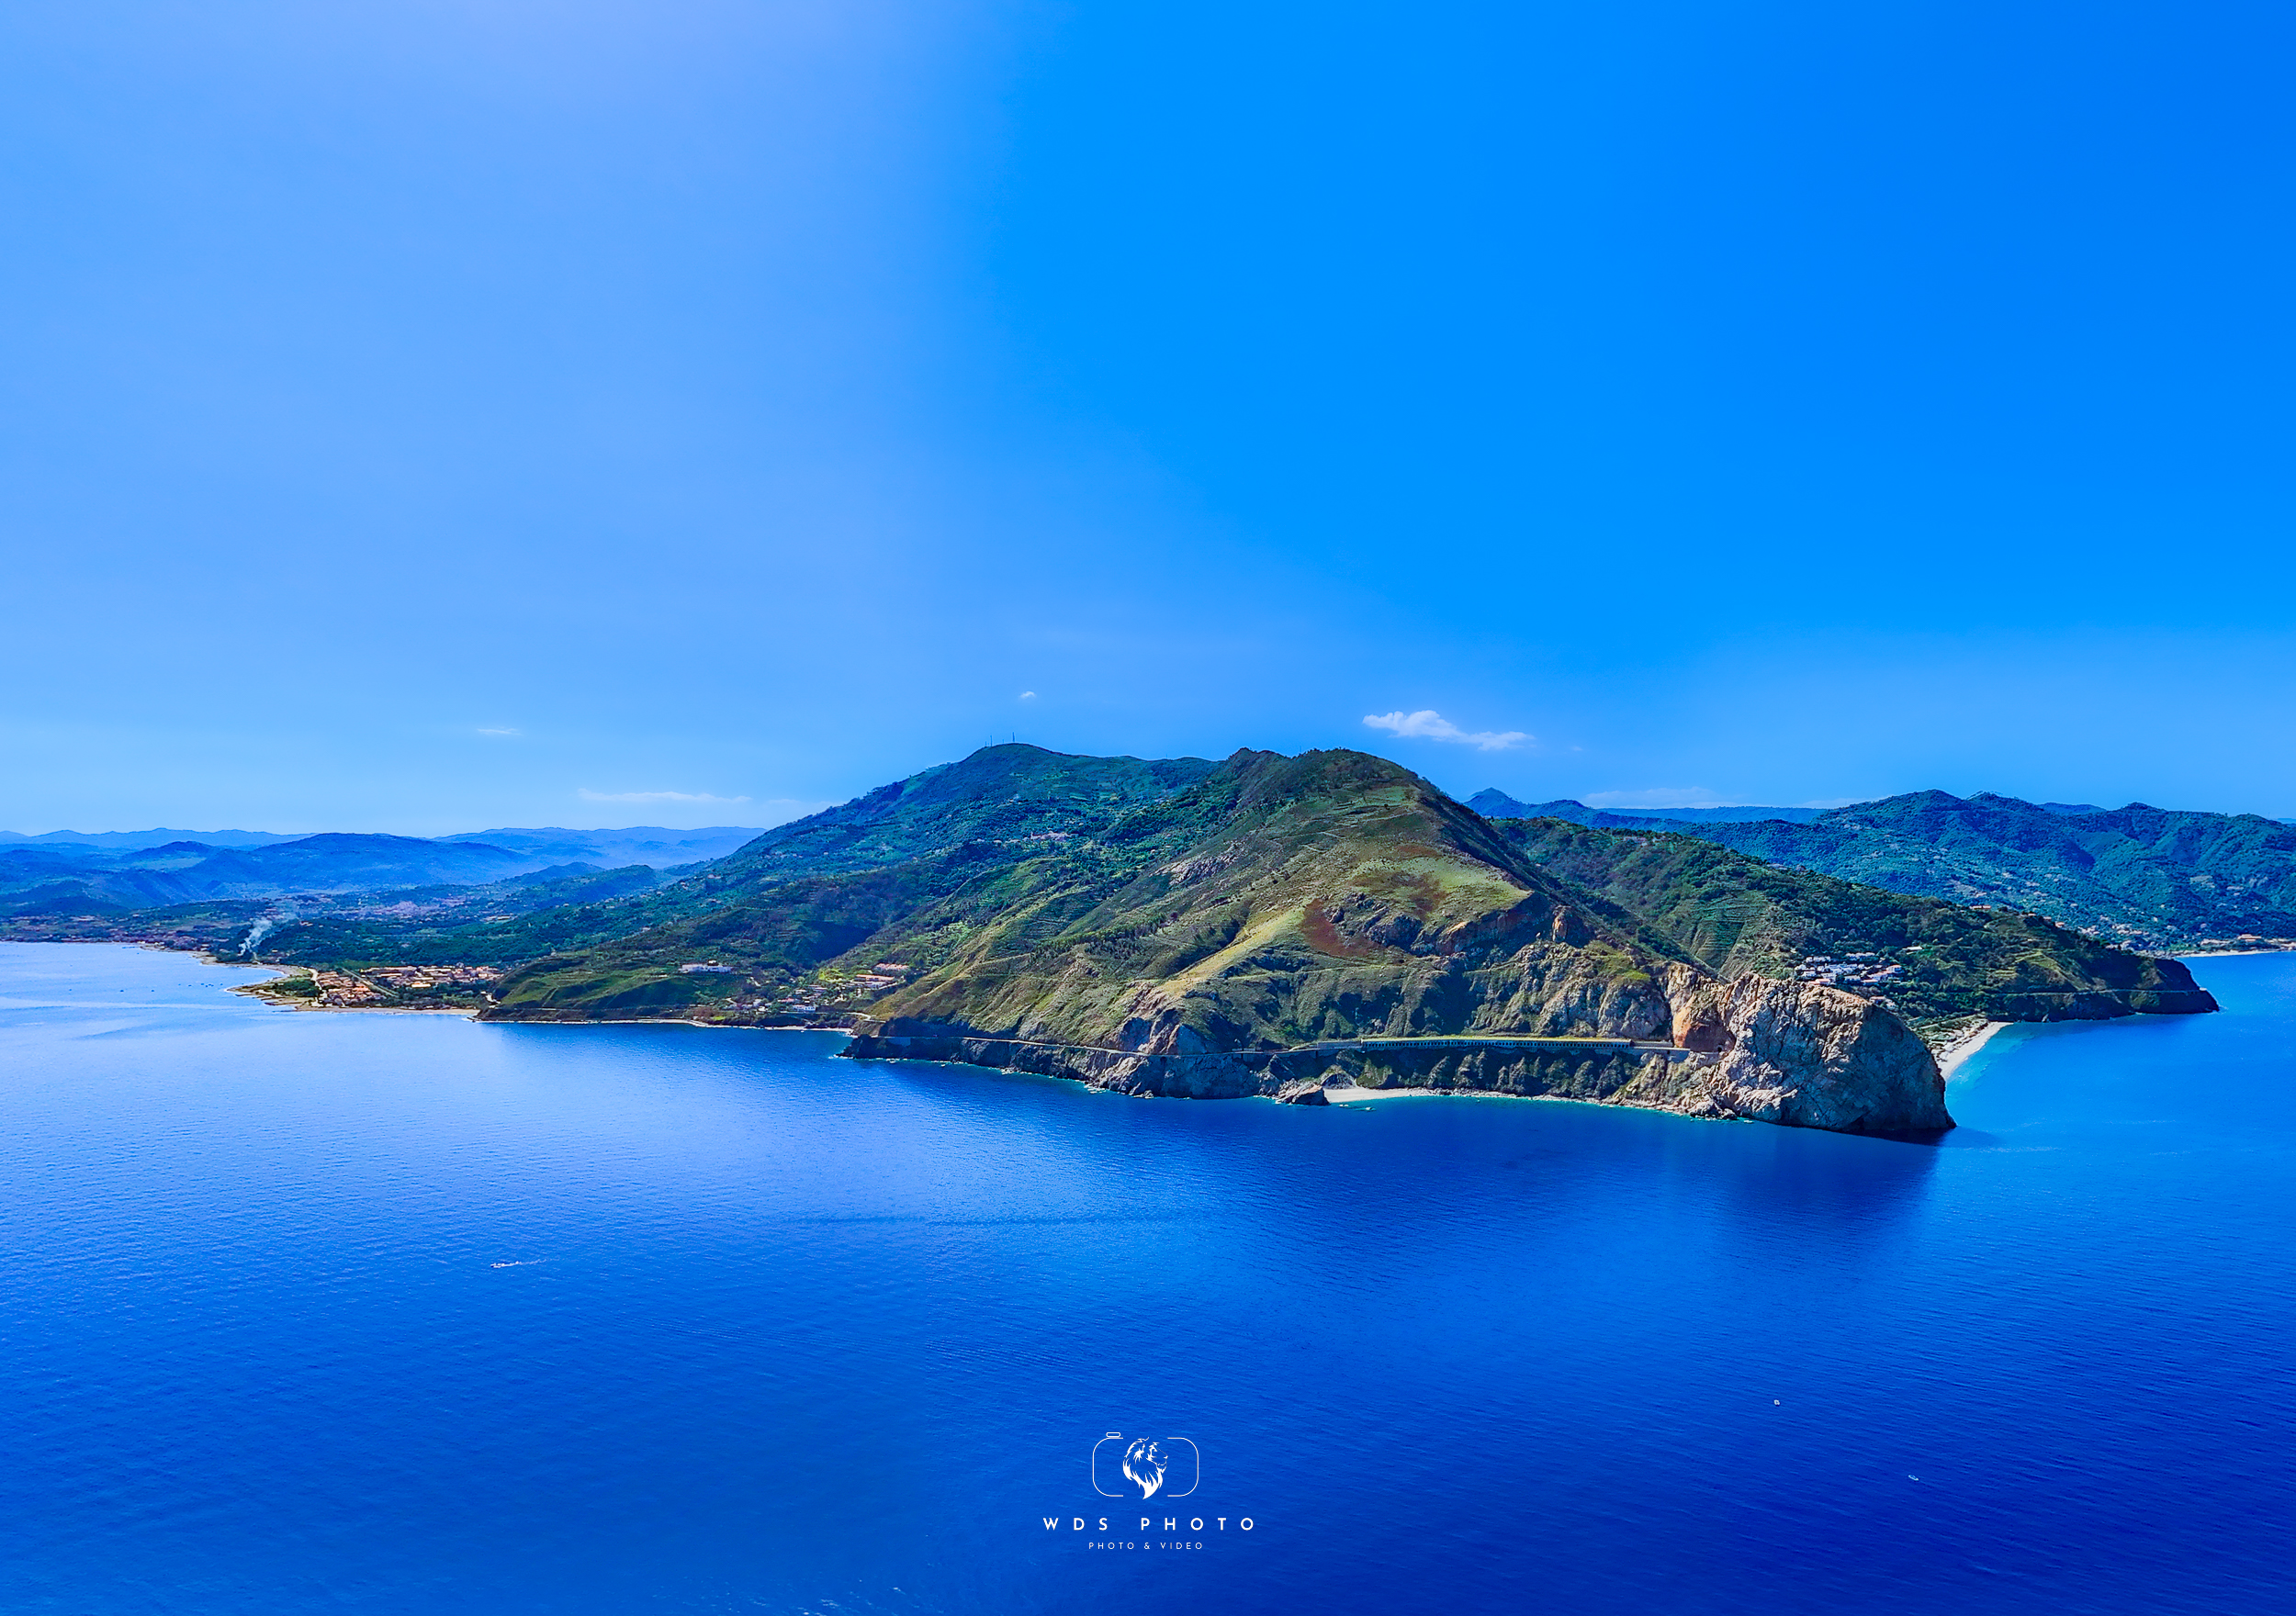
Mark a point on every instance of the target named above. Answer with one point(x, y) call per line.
point(1209, 940)
point(1265, 901)
point(2152, 878)
point(1260, 902)
point(1934, 961)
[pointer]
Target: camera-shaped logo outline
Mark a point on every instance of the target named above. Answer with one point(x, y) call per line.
point(1129, 1459)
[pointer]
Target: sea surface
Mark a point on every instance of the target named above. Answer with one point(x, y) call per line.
point(307, 1312)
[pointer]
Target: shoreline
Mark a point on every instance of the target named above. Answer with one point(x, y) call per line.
point(253, 990)
point(1334, 1096)
point(1957, 1049)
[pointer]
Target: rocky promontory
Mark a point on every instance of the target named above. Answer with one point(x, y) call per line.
point(1756, 1050)
point(1297, 926)
point(1332, 920)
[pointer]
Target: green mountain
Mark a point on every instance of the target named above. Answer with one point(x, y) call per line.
point(997, 803)
point(1935, 962)
point(1198, 929)
point(2149, 877)
point(804, 893)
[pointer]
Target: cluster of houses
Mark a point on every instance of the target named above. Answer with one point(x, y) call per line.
point(392, 984)
point(831, 990)
point(1850, 971)
point(427, 978)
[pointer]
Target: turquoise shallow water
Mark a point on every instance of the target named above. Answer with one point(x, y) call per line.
point(309, 1312)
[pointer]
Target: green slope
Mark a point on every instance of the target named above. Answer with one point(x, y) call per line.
point(999, 797)
point(2152, 878)
point(1259, 903)
point(1932, 960)
point(1215, 941)
point(1278, 901)
point(1282, 900)
point(1273, 901)
point(805, 894)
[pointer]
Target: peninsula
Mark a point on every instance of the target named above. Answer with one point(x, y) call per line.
point(1297, 928)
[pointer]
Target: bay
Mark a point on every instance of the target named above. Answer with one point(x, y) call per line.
point(410, 1314)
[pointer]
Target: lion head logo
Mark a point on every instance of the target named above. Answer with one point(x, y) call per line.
point(1144, 1464)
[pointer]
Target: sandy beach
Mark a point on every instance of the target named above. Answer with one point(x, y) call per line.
point(1963, 1045)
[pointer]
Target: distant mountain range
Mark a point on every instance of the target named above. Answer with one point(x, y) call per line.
point(638, 844)
point(42, 876)
point(1493, 803)
point(2150, 877)
point(1496, 804)
point(118, 841)
point(611, 849)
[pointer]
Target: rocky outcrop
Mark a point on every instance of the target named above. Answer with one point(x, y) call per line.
point(1792, 1053)
point(1806, 1055)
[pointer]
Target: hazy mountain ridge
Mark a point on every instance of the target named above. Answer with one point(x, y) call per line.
point(181, 872)
point(117, 841)
point(1493, 803)
point(611, 849)
point(48, 878)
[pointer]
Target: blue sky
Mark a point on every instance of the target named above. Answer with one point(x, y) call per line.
point(436, 413)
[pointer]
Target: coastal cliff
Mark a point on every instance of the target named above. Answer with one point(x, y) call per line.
point(1775, 1052)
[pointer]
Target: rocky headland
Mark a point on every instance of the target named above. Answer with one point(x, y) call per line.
point(1295, 928)
point(1292, 923)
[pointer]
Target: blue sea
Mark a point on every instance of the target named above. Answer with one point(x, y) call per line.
point(309, 1312)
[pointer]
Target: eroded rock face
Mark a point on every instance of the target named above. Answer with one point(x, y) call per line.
point(1805, 1055)
point(1792, 1053)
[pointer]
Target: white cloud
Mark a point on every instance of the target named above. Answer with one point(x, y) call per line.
point(1431, 725)
point(587, 795)
point(498, 732)
point(1656, 797)
point(1028, 695)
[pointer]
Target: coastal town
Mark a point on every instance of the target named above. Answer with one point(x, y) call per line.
point(383, 987)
